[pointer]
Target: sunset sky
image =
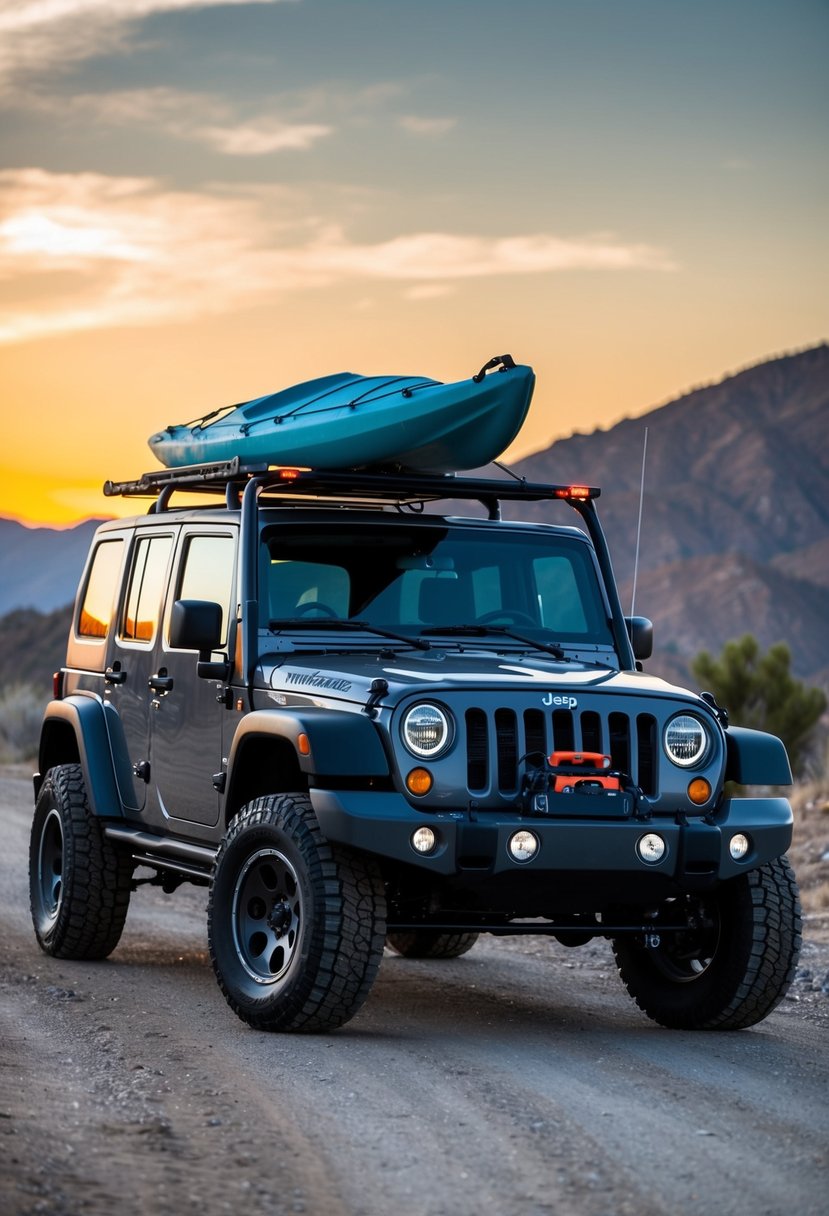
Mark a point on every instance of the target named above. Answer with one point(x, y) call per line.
point(203, 202)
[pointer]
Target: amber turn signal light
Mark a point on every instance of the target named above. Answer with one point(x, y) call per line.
point(419, 782)
point(699, 791)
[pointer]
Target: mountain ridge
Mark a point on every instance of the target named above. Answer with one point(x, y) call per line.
point(740, 467)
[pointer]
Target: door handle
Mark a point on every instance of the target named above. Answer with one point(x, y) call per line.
point(114, 675)
point(161, 682)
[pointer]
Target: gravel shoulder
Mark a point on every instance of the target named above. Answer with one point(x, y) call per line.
point(517, 1079)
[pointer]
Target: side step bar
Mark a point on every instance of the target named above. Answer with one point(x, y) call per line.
point(179, 855)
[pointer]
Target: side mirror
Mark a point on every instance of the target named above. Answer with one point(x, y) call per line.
point(197, 625)
point(640, 632)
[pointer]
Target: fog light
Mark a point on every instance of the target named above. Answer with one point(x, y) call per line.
point(699, 791)
point(651, 848)
point(419, 782)
point(738, 846)
point(424, 840)
point(523, 846)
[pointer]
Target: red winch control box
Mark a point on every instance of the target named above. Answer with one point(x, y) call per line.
point(582, 770)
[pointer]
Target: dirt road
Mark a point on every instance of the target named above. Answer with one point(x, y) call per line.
point(518, 1079)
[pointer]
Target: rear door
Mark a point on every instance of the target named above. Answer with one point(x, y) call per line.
point(187, 715)
point(132, 658)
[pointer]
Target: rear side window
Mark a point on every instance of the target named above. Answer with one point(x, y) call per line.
point(147, 581)
point(98, 602)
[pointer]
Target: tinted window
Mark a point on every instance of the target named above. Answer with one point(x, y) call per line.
point(421, 577)
point(207, 573)
point(147, 580)
point(98, 602)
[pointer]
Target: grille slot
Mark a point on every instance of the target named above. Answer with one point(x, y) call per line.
point(563, 736)
point(619, 726)
point(506, 737)
point(477, 750)
point(591, 731)
point(646, 749)
point(535, 735)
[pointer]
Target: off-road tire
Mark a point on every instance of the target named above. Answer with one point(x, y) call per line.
point(737, 971)
point(79, 881)
point(296, 925)
point(430, 943)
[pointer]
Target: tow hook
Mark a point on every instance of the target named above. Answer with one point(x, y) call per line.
point(652, 941)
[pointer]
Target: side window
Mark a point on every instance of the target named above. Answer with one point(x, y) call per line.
point(146, 588)
point(207, 573)
point(98, 602)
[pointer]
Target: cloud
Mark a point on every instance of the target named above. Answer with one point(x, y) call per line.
point(87, 251)
point(36, 34)
point(199, 117)
point(262, 137)
point(429, 127)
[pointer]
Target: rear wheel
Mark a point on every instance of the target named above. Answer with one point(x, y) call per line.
point(295, 924)
point(430, 943)
point(79, 881)
point(732, 966)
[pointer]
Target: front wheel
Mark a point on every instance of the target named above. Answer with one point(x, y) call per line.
point(733, 964)
point(79, 881)
point(295, 924)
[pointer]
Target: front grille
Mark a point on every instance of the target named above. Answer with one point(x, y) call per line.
point(501, 744)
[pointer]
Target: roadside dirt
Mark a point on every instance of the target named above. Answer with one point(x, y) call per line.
point(517, 1079)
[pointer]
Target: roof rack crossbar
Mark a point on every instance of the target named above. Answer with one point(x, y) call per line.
point(389, 487)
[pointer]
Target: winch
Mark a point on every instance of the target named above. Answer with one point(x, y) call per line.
point(578, 783)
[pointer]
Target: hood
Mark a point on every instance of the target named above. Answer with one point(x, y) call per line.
point(311, 678)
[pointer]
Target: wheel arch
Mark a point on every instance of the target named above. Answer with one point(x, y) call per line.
point(74, 731)
point(279, 751)
point(755, 757)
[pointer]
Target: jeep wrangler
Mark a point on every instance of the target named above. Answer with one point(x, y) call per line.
point(361, 720)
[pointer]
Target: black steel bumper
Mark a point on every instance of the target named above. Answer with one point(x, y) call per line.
point(697, 849)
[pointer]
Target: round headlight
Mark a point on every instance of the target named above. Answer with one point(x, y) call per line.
point(686, 740)
point(426, 730)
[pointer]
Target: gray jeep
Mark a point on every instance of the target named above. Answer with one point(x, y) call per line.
point(364, 721)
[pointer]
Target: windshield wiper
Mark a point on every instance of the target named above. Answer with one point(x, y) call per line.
point(350, 626)
point(481, 631)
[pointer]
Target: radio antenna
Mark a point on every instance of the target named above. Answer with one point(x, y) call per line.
point(639, 524)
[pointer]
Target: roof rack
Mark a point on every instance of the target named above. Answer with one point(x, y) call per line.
point(247, 486)
point(393, 488)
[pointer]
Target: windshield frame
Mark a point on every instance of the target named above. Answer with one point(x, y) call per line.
point(335, 529)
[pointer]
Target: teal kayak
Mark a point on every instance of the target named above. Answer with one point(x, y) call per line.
point(347, 421)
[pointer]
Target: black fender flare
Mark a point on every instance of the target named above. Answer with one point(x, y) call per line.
point(755, 757)
point(327, 743)
point(82, 719)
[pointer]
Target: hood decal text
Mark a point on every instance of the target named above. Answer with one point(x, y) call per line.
point(316, 679)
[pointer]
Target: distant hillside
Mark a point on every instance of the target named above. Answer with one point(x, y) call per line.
point(32, 647)
point(735, 533)
point(40, 567)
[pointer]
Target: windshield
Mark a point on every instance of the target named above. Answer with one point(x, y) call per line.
point(419, 578)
